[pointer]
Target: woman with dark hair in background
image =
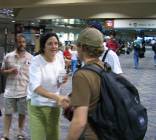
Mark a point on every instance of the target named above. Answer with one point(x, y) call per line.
point(43, 90)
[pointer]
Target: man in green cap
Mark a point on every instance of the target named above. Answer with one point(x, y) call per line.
point(85, 85)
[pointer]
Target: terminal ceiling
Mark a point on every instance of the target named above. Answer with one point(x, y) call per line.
point(48, 9)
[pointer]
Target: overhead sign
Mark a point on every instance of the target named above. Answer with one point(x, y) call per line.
point(136, 23)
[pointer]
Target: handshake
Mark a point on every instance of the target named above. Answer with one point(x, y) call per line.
point(68, 110)
point(63, 101)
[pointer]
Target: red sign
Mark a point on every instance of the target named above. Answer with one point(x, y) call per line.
point(109, 24)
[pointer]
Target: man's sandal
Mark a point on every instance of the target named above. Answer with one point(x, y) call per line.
point(20, 137)
point(4, 138)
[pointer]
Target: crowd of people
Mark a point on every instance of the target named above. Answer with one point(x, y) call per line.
point(33, 83)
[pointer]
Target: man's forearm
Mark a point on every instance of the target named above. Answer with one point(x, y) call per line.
point(5, 72)
point(75, 131)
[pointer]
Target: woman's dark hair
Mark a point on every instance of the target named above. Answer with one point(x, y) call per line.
point(43, 40)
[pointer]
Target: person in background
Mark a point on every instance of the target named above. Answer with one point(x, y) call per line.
point(111, 57)
point(112, 42)
point(74, 58)
point(137, 44)
point(16, 66)
point(143, 48)
point(67, 57)
point(44, 99)
point(153, 43)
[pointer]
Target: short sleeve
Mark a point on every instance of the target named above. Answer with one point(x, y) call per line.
point(81, 92)
point(34, 74)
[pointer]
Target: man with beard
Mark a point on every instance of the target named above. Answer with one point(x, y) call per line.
point(15, 66)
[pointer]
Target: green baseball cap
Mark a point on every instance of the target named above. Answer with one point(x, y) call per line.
point(91, 37)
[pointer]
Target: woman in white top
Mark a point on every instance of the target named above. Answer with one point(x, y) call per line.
point(43, 90)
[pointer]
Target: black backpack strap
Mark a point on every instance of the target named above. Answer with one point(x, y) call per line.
point(93, 67)
point(104, 57)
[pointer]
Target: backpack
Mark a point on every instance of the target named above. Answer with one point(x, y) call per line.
point(136, 45)
point(119, 114)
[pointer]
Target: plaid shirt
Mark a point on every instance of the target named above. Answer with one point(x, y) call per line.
point(16, 84)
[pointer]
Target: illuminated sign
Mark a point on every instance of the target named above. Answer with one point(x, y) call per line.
point(138, 23)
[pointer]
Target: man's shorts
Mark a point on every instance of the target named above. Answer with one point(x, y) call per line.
point(12, 105)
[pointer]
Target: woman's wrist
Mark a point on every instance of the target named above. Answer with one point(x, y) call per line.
point(55, 97)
